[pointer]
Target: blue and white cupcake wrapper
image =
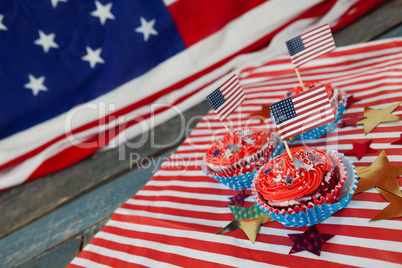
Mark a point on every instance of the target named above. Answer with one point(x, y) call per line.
point(321, 212)
point(244, 181)
point(327, 128)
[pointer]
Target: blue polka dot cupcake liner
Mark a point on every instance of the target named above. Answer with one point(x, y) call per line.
point(243, 181)
point(318, 213)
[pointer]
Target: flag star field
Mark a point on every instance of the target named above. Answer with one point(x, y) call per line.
point(58, 54)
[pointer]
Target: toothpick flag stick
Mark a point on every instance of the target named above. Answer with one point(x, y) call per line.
point(226, 98)
point(288, 150)
point(302, 112)
point(300, 80)
point(310, 45)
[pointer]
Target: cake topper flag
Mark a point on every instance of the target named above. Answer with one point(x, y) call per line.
point(226, 98)
point(310, 45)
point(302, 112)
point(305, 111)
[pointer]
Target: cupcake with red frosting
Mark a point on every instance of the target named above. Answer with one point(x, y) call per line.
point(234, 159)
point(298, 192)
point(337, 99)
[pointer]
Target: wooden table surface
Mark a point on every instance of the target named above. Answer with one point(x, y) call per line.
point(46, 222)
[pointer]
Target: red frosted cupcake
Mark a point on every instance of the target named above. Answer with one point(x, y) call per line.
point(314, 177)
point(247, 148)
point(234, 159)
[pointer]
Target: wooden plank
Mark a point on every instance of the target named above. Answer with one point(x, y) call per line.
point(25, 203)
point(397, 31)
point(373, 25)
point(91, 232)
point(60, 256)
point(74, 218)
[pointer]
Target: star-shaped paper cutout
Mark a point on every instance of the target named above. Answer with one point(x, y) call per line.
point(103, 12)
point(36, 84)
point(263, 114)
point(93, 57)
point(216, 153)
point(307, 167)
point(350, 100)
point(278, 178)
point(308, 150)
point(234, 147)
point(147, 28)
point(267, 171)
point(228, 153)
point(393, 210)
point(398, 142)
point(289, 180)
point(2, 26)
point(351, 121)
point(380, 174)
point(297, 163)
point(55, 2)
point(374, 117)
point(46, 41)
point(246, 132)
point(238, 199)
point(360, 149)
point(249, 141)
point(250, 224)
point(311, 240)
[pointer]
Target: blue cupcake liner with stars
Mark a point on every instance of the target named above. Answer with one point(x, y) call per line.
point(244, 181)
point(318, 213)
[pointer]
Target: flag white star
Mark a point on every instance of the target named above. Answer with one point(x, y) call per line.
point(36, 84)
point(146, 28)
point(46, 41)
point(55, 2)
point(93, 57)
point(103, 12)
point(2, 26)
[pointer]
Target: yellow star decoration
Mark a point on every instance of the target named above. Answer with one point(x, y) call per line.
point(380, 173)
point(248, 219)
point(374, 117)
point(263, 114)
point(393, 210)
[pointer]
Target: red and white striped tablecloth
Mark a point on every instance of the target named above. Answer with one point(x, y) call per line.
point(174, 219)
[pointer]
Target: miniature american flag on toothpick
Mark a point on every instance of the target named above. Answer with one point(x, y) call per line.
point(227, 97)
point(305, 111)
point(310, 45)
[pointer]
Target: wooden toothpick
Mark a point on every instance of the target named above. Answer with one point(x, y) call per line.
point(230, 132)
point(298, 76)
point(288, 150)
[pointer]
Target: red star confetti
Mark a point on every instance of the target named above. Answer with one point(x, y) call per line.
point(238, 199)
point(351, 99)
point(398, 142)
point(311, 240)
point(263, 114)
point(351, 121)
point(393, 210)
point(360, 149)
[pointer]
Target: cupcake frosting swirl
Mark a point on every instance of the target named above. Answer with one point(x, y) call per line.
point(243, 144)
point(282, 179)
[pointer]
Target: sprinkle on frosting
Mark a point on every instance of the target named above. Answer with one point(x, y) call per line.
point(299, 181)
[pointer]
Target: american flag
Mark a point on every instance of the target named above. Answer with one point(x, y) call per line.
point(310, 45)
point(227, 97)
point(72, 73)
point(305, 111)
